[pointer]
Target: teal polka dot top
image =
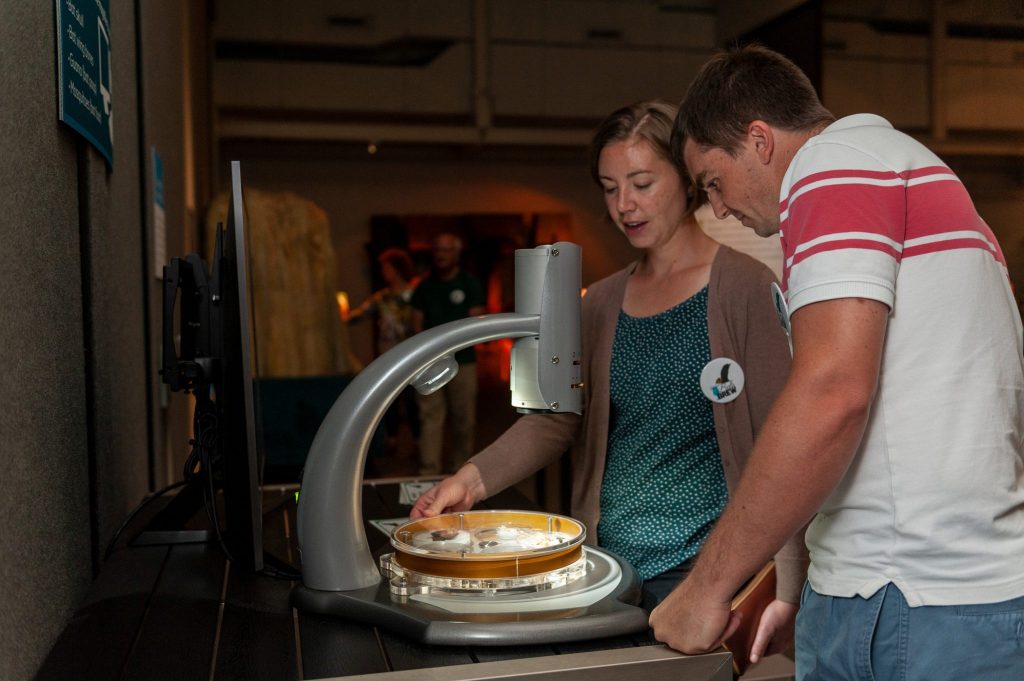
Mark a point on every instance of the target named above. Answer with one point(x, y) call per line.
point(663, 486)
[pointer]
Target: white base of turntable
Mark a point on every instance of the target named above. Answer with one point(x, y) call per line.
point(602, 577)
point(557, 616)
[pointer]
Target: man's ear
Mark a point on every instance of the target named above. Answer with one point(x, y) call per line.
point(762, 140)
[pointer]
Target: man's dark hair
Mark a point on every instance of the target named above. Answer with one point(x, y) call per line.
point(741, 85)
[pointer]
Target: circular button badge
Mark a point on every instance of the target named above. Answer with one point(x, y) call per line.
point(721, 380)
point(782, 310)
point(457, 296)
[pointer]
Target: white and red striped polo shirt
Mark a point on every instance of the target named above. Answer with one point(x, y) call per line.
point(934, 500)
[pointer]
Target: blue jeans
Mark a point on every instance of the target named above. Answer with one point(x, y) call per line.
point(657, 588)
point(882, 638)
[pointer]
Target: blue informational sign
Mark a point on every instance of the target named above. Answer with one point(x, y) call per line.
point(83, 71)
point(159, 216)
point(158, 179)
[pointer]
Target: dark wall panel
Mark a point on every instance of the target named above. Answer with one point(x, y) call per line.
point(74, 453)
point(162, 24)
point(44, 493)
point(796, 34)
point(115, 291)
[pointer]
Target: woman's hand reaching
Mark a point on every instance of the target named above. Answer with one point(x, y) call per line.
point(455, 493)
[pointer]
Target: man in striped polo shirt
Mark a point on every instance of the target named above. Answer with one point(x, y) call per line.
point(900, 428)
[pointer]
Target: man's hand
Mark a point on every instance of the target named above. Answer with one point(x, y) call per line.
point(692, 622)
point(775, 630)
point(456, 493)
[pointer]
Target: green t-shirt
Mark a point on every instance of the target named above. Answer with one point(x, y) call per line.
point(443, 301)
point(664, 486)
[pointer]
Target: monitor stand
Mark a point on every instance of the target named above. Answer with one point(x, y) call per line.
point(166, 528)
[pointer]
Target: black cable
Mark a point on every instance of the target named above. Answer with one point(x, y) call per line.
point(206, 436)
point(188, 475)
point(205, 426)
point(199, 469)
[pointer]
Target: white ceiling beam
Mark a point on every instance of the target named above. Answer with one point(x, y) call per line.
point(365, 133)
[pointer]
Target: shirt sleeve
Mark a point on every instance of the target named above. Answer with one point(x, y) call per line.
point(843, 222)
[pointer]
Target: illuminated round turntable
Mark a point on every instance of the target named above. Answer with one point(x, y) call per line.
point(515, 567)
point(493, 578)
point(485, 553)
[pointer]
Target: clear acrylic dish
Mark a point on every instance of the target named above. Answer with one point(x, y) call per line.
point(486, 552)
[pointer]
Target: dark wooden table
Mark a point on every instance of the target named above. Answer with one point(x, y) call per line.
point(180, 611)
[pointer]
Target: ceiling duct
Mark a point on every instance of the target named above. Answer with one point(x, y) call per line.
point(402, 52)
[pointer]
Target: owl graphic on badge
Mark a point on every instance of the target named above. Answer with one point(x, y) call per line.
point(721, 380)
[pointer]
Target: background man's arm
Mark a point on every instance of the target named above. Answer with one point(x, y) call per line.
point(804, 449)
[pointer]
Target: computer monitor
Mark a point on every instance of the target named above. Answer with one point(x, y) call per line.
point(211, 352)
point(236, 392)
point(217, 362)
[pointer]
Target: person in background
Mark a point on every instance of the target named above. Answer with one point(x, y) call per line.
point(391, 304)
point(900, 425)
point(660, 449)
point(394, 314)
point(449, 293)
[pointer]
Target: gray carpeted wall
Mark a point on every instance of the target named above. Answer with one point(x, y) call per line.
point(74, 445)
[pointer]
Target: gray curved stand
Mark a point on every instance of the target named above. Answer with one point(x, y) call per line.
point(335, 555)
point(339, 574)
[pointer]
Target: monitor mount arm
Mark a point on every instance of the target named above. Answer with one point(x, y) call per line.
point(545, 377)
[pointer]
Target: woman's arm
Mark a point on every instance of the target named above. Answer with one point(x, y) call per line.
point(530, 444)
point(533, 442)
point(364, 308)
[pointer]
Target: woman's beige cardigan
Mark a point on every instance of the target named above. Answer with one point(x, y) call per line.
point(742, 325)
